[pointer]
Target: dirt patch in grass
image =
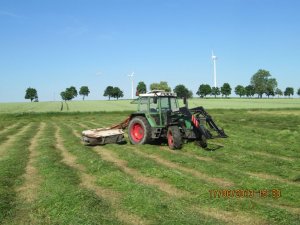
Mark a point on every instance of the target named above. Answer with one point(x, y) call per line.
point(89, 182)
point(28, 190)
point(162, 185)
point(233, 218)
point(219, 181)
point(273, 156)
point(271, 177)
point(12, 139)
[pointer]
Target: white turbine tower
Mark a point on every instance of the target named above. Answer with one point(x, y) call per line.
point(131, 78)
point(214, 59)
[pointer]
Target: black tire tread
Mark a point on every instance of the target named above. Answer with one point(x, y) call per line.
point(177, 138)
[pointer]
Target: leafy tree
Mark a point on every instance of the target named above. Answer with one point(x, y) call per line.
point(215, 91)
point(289, 91)
point(260, 81)
point(298, 92)
point(203, 90)
point(84, 91)
point(108, 92)
point(226, 89)
point(182, 91)
point(163, 85)
point(31, 94)
point(67, 95)
point(278, 92)
point(249, 91)
point(240, 90)
point(141, 88)
point(117, 93)
point(73, 91)
point(271, 86)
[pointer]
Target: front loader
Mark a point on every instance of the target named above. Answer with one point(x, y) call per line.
point(159, 118)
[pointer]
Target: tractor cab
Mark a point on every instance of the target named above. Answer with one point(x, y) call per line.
point(157, 105)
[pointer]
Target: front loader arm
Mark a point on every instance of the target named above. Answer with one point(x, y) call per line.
point(196, 115)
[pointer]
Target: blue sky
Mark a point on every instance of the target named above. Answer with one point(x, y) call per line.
point(53, 44)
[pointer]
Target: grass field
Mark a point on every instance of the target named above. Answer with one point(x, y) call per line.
point(48, 177)
point(124, 105)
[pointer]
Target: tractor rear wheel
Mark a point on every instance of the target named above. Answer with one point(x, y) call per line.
point(174, 137)
point(139, 130)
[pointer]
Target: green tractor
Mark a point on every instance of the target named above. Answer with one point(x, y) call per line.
point(159, 117)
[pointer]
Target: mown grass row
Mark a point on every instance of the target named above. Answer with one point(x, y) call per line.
point(12, 166)
point(255, 163)
point(63, 199)
point(147, 201)
point(153, 170)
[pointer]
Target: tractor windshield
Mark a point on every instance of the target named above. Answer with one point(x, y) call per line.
point(169, 103)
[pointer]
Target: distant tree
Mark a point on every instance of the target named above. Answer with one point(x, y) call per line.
point(298, 92)
point(182, 91)
point(117, 93)
point(73, 91)
point(215, 91)
point(240, 90)
point(108, 92)
point(163, 85)
point(260, 82)
point(226, 90)
point(203, 90)
point(249, 91)
point(31, 94)
point(271, 86)
point(84, 91)
point(67, 95)
point(278, 92)
point(141, 88)
point(289, 91)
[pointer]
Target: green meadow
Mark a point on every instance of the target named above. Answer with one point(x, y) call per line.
point(126, 105)
point(47, 175)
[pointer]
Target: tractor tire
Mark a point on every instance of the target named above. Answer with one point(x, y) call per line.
point(202, 142)
point(174, 138)
point(139, 131)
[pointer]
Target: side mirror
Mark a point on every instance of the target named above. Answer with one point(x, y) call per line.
point(155, 100)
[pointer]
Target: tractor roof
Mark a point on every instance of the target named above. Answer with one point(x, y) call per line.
point(158, 93)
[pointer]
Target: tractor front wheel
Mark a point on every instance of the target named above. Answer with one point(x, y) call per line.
point(174, 137)
point(139, 130)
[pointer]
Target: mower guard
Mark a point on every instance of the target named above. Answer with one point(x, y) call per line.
point(102, 136)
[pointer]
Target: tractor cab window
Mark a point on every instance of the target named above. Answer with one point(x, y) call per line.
point(153, 106)
point(143, 104)
point(168, 103)
point(174, 104)
point(164, 103)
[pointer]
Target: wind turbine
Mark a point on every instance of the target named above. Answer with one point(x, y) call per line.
point(214, 59)
point(131, 78)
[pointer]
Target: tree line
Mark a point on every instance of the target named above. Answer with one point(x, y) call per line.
point(260, 83)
